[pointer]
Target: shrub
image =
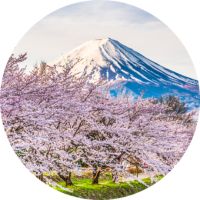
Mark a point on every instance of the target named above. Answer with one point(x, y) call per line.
point(174, 104)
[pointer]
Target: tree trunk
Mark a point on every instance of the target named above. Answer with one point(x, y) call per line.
point(66, 178)
point(115, 177)
point(96, 174)
point(137, 170)
point(40, 177)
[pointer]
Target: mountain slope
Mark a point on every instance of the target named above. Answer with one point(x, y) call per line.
point(120, 65)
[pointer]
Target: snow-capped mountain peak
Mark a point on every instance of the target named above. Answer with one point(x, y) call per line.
point(91, 57)
point(111, 60)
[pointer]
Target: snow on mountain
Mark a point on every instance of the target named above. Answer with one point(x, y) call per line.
point(109, 59)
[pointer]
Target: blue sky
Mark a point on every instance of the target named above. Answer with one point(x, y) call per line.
point(73, 25)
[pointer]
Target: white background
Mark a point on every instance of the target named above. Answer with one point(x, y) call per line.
point(17, 17)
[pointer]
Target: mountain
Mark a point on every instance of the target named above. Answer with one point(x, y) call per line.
point(126, 69)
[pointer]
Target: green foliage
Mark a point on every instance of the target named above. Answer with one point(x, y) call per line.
point(20, 153)
point(174, 104)
point(106, 189)
point(159, 177)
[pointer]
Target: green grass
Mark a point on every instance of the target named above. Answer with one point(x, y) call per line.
point(106, 189)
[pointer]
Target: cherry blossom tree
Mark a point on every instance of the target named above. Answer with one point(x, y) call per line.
point(58, 122)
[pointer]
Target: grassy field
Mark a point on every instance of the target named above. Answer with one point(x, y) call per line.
point(106, 189)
